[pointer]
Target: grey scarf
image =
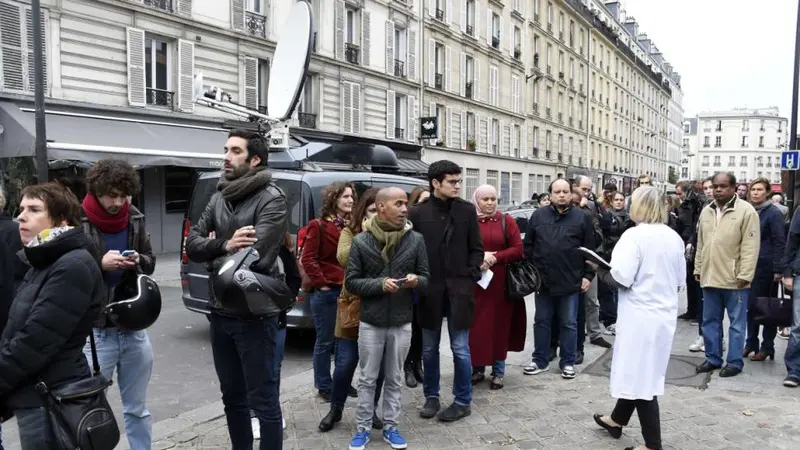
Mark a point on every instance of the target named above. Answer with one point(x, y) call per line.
point(239, 188)
point(762, 205)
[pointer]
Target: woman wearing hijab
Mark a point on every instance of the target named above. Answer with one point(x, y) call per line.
point(500, 322)
point(648, 268)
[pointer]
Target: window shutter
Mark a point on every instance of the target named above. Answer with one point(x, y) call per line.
point(411, 61)
point(483, 135)
point(489, 26)
point(492, 137)
point(510, 39)
point(136, 78)
point(431, 62)
point(347, 108)
point(412, 118)
point(390, 47)
point(476, 26)
point(449, 136)
point(390, 116)
point(432, 8)
point(448, 55)
point(521, 145)
point(500, 31)
point(338, 29)
point(515, 94)
point(251, 82)
point(449, 12)
point(365, 37)
point(185, 75)
point(463, 75)
point(432, 111)
point(464, 136)
point(463, 16)
point(356, 107)
point(501, 150)
point(237, 15)
point(13, 56)
point(184, 7)
point(30, 54)
point(528, 153)
point(476, 77)
point(513, 140)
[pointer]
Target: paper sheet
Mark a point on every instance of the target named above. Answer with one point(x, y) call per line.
point(486, 278)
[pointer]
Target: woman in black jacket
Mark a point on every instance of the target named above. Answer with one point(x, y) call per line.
point(52, 313)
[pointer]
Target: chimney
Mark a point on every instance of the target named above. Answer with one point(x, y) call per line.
point(644, 41)
point(614, 8)
point(631, 27)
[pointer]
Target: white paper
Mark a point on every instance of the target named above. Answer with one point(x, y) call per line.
point(595, 258)
point(486, 278)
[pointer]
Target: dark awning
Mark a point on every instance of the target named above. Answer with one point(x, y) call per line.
point(412, 166)
point(78, 136)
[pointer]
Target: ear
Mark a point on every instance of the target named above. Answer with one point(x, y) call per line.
point(255, 161)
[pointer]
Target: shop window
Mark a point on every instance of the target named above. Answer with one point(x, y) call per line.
point(178, 184)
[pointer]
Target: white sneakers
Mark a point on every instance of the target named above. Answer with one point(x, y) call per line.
point(699, 345)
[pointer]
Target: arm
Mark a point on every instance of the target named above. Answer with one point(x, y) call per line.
point(793, 244)
point(343, 249)
point(270, 231)
point(60, 306)
point(199, 246)
point(588, 242)
point(475, 244)
point(147, 260)
point(310, 256)
point(355, 280)
point(751, 242)
point(513, 251)
point(778, 237)
point(698, 253)
point(421, 270)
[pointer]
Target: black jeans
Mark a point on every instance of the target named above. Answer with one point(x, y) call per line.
point(36, 430)
point(244, 357)
point(693, 291)
point(649, 419)
point(555, 332)
point(414, 357)
point(607, 296)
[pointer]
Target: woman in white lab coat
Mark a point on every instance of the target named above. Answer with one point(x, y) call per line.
point(649, 268)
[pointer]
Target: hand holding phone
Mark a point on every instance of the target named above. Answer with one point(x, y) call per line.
point(128, 253)
point(401, 281)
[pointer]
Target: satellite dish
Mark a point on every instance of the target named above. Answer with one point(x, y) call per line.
point(290, 62)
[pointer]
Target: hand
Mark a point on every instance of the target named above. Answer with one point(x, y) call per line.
point(584, 202)
point(411, 281)
point(389, 285)
point(129, 262)
point(489, 259)
point(112, 260)
point(743, 284)
point(697, 278)
point(325, 288)
point(777, 277)
point(788, 283)
point(212, 235)
point(243, 237)
point(585, 285)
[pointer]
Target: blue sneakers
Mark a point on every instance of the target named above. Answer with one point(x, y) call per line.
point(360, 440)
point(394, 439)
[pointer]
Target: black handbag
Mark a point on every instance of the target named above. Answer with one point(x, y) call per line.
point(773, 311)
point(522, 278)
point(80, 412)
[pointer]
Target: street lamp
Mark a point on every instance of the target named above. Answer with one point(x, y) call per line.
point(793, 127)
point(38, 80)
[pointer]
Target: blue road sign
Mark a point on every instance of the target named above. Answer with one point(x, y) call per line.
point(790, 160)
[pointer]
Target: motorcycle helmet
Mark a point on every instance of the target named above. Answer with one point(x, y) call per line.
point(237, 287)
point(140, 305)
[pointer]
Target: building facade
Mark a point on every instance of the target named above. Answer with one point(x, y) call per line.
point(747, 142)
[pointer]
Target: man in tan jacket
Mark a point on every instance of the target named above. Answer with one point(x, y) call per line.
point(728, 242)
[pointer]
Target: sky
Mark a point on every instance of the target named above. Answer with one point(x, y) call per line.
point(730, 53)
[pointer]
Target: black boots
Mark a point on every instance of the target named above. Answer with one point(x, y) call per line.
point(413, 374)
point(333, 416)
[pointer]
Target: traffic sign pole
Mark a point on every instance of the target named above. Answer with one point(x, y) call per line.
point(793, 127)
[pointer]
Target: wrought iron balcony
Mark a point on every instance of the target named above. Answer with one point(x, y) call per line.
point(517, 52)
point(547, 112)
point(255, 24)
point(439, 14)
point(468, 90)
point(164, 5)
point(307, 120)
point(470, 30)
point(351, 53)
point(535, 108)
point(496, 42)
point(399, 133)
point(536, 17)
point(399, 68)
point(438, 81)
point(548, 154)
point(159, 97)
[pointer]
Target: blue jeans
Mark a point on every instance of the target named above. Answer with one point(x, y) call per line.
point(715, 302)
point(130, 355)
point(792, 356)
point(244, 358)
point(763, 285)
point(345, 364)
point(462, 378)
point(36, 430)
point(566, 307)
point(498, 369)
point(323, 307)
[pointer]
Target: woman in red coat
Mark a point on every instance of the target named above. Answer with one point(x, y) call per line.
point(500, 322)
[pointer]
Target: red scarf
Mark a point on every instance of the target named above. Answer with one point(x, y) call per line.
point(99, 217)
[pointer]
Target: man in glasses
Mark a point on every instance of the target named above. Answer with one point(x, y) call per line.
point(449, 226)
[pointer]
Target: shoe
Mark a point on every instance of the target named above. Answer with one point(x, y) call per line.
point(419, 373)
point(360, 440)
point(568, 372)
point(477, 377)
point(729, 371)
point(325, 395)
point(706, 367)
point(392, 437)
point(600, 342)
point(791, 381)
point(410, 380)
point(496, 384)
point(377, 422)
point(454, 412)
point(747, 351)
point(763, 355)
point(533, 369)
point(329, 421)
point(432, 406)
point(352, 392)
point(256, 425)
point(611, 330)
point(699, 345)
point(615, 432)
point(579, 359)
point(784, 333)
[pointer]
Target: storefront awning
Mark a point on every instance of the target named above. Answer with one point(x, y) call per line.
point(412, 166)
point(79, 136)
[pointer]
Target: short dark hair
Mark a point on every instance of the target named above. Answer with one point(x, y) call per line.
point(107, 175)
point(731, 177)
point(610, 187)
point(439, 170)
point(685, 186)
point(256, 144)
point(61, 203)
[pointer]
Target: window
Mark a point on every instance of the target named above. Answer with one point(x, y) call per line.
point(719, 125)
point(549, 60)
point(255, 6)
point(572, 34)
point(536, 41)
point(306, 108)
point(705, 161)
point(472, 178)
point(351, 26)
point(745, 125)
point(495, 135)
point(745, 141)
point(761, 128)
point(440, 115)
point(400, 50)
point(491, 178)
point(549, 16)
point(732, 161)
point(505, 189)
point(263, 84)
point(517, 43)
point(531, 185)
point(686, 143)
point(743, 162)
point(17, 28)
point(517, 142)
point(718, 141)
point(561, 64)
point(494, 79)
point(546, 182)
point(440, 9)
point(549, 100)
point(178, 185)
point(470, 126)
point(439, 66)
point(548, 137)
point(742, 176)
point(470, 26)
point(400, 116)
point(516, 187)
point(469, 77)
point(158, 72)
point(495, 31)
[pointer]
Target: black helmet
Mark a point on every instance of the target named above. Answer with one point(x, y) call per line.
point(140, 307)
point(238, 288)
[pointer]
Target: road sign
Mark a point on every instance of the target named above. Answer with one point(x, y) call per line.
point(790, 160)
point(428, 128)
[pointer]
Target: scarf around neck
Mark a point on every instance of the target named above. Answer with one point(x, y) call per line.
point(761, 205)
point(239, 188)
point(102, 219)
point(387, 234)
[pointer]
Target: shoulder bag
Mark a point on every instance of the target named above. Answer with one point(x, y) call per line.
point(522, 278)
point(773, 311)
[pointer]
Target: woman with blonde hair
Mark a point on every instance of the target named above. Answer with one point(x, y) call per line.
point(648, 267)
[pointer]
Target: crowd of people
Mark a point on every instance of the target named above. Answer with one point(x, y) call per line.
point(386, 271)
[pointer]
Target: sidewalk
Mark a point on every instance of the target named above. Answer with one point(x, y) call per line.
point(749, 411)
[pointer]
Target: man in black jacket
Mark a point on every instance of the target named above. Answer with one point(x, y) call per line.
point(386, 262)
point(455, 254)
point(688, 213)
point(249, 210)
point(551, 244)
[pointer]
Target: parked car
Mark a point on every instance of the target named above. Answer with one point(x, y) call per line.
point(521, 217)
point(303, 198)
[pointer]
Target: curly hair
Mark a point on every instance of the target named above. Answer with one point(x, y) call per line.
point(330, 197)
point(360, 211)
point(107, 175)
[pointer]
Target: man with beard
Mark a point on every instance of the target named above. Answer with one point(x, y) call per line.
point(249, 210)
point(114, 226)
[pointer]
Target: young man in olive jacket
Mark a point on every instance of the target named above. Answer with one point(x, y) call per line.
point(449, 226)
point(387, 261)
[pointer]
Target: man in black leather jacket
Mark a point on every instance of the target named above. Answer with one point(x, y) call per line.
point(249, 210)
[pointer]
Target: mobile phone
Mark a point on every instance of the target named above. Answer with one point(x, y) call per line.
point(127, 253)
point(401, 281)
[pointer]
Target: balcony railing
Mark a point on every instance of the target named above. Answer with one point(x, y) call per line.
point(159, 97)
point(307, 120)
point(439, 14)
point(255, 24)
point(399, 68)
point(351, 53)
point(535, 108)
point(536, 17)
point(399, 133)
point(547, 112)
point(165, 5)
point(470, 30)
point(495, 41)
point(438, 81)
point(468, 90)
point(517, 52)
